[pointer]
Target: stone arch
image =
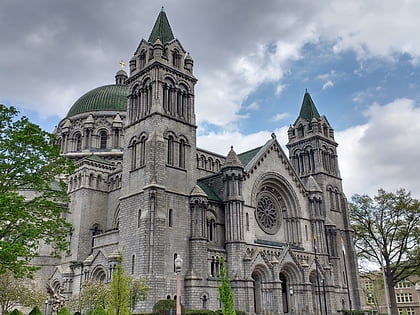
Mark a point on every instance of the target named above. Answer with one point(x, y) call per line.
point(282, 186)
point(290, 276)
point(98, 274)
point(116, 218)
point(261, 277)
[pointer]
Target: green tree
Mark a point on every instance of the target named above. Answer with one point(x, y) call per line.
point(118, 300)
point(31, 196)
point(15, 291)
point(139, 290)
point(225, 290)
point(387, 232)
point(92, 295)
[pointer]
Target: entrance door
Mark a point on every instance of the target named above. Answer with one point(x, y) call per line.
point(257, 293)
point(284, 293)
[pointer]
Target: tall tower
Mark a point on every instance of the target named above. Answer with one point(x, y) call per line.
point(313, 154)
point(158, 169)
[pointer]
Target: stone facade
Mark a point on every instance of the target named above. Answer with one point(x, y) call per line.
point(142, 188)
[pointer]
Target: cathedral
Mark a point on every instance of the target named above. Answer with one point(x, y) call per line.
point(143, 189)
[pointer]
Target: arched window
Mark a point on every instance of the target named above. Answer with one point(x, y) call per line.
point(133, 153)
point(133, 261)
point(78, 142)
point(103, 137)
point(247, 221)
point(181, 153)
point(170, 157)
point(300, 131)
point(176, 58)
point(325, 130)
point(142, 151)
point(138, 218)
point(170, 218)
point(116, 137)
point(173, 262)
point(211, 230)
point(142, 59)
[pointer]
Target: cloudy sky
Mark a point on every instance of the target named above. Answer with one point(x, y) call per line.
point(359, 59)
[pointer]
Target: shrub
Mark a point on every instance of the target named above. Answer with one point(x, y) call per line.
point(35, 311)
point(163, 307)
point(15, 312)
point(63, 311)
point(201, 312)
point(99, 310)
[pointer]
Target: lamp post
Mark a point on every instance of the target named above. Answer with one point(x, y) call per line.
point(291, 292)
point(178, 267)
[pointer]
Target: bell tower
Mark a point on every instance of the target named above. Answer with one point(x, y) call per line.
point(158, 173)
point(160, 127)
point(313, 154)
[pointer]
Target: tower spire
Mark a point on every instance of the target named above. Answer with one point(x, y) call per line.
point(308, 110)
point(161, 30)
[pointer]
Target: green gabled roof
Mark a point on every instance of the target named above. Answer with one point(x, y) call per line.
point(308, 110)
point(108, 97)
point(162, 29)
point(211, 194)
point(247, 156)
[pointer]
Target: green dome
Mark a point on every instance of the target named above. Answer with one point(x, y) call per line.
point(108, 97)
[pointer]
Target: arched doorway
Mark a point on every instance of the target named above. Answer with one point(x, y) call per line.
point(284, 293)
point(257, 292)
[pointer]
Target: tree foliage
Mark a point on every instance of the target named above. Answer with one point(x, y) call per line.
point(387, 232)
point(139, 291)
point(31, 196)
point(225, 291)
point(15, 291)
point(118, 299)
point(92, 295)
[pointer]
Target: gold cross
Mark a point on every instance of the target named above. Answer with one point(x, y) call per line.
point(122, 64)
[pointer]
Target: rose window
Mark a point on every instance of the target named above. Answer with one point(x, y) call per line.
point(267, 215)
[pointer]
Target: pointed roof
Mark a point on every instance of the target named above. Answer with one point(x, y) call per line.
point(232, 160)
point(308, 110)
point(162, 29)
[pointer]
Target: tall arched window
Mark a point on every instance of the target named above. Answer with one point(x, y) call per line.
point(142, 59)
point(138, 218)
point(103, 137)
point(133, 261)
point(170, 218)
point(142, 149)
point(133, 153)
point(211, 230)
point(78, 142)
point(181, 161)
point(170, 158)
point(176, 58)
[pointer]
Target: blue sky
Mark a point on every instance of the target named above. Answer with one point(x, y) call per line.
point(359, 60)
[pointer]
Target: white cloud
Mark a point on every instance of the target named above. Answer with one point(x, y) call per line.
point(219, 92)
point(384, 152)
point(327, 85)
point(280, 116)
point(280, 88)
point(221, 142)
point(253, 106)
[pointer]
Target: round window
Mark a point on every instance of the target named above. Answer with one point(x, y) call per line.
point(268, 214)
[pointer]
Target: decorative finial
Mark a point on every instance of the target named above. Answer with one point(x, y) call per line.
point(273, 135)
point(231, 147)
point(162, 9)
point(122, 64)
point(306, 90)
